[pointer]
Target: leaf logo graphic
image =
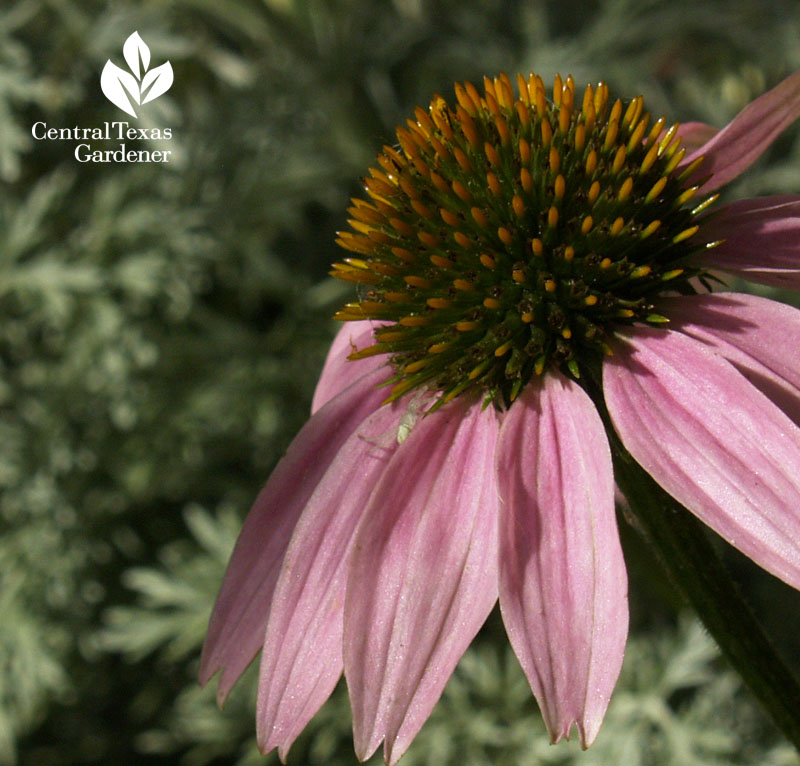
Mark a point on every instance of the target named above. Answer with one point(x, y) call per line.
point(141, 84)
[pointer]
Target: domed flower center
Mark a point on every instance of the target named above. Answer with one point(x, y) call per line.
point(510, 234)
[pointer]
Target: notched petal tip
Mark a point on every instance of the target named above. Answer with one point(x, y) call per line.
point(557, 733)
point(587, 728)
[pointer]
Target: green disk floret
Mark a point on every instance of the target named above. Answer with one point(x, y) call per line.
point(508, 234)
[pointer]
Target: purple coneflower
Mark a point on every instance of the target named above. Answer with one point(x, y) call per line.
point(534, 280)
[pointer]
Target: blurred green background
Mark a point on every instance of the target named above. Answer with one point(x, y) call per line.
point(162, 327)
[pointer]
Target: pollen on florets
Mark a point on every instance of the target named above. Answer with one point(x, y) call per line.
point(507, 234)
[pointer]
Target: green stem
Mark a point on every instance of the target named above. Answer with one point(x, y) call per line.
point(694, 566)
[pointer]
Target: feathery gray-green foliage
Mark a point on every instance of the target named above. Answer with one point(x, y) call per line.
point(161, 328)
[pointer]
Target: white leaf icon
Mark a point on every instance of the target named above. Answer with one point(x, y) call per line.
point(135, 49)
point(159, 80)
point(112, 81)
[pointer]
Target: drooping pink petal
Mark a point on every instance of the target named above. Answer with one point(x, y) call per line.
point(423, 575)
point(695, 134)
point(338, 372)
point(236, 628)
point(742, 141)
point(752, 333)
point(563, 585)
point(302, 657)
point(712, 440)
point(760, 240)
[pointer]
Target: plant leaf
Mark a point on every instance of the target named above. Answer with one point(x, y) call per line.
point(112, 81)
point(158, 80)
point(135, 49)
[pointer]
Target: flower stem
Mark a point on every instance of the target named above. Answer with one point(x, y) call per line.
point(694, 566)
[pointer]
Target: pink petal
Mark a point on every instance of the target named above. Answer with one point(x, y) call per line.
point(695, 134)
point(761, 240)
point(563, 585)
point(339, 372)
point(753, 333)
point(742, 141)
point(236, 628)
point(302, 657)
point(711, 440)
point(423, 575)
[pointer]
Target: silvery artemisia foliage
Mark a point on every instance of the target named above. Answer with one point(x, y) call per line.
point(161, 329)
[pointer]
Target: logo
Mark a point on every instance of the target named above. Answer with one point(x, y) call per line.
point(118, 141)
point(141, 84)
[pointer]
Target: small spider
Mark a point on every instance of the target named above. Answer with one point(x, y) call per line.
point(414, 411)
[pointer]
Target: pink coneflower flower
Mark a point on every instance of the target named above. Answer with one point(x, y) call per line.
point(534, 279)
